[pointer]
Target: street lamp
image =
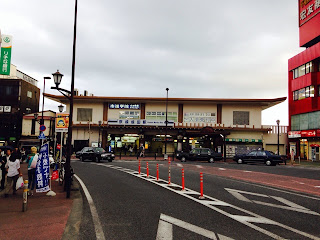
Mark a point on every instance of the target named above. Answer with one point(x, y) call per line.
point(57, 79)
point(60, 108)
point(44, 86)
point(165, 141)
point(100, 122)
point(278, 123)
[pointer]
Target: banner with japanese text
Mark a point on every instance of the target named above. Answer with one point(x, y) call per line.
point(5, 54)
point(43, 170)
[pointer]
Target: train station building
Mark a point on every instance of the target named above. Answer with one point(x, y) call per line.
point(232, 126)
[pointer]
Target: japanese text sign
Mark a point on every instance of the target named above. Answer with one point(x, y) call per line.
point(43, 170)
point(5, 54)
point(307, 10)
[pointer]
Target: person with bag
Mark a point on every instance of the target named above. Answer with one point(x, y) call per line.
point(32, 165)
point(3, 161)
point(13, 166)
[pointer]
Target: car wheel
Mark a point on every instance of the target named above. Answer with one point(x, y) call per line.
point(239, 161)
point(97, 159)
point(269, 163)
point(81, 158)
point(183, 159)
point(211, 160)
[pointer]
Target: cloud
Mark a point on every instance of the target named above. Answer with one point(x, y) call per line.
point(208, 48)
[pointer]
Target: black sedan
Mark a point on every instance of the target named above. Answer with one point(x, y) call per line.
point(94, 154)
point(204, 154)
point(260, 156)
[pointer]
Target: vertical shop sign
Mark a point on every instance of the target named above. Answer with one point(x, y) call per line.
point(5, 54)
point(42, 170)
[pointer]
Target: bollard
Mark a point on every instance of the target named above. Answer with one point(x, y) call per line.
point(201, 186)
point(182, 180)
point(139, 167)
point(169, 172)
point(157, 172)
point(155, 156)
point(147, 169)
point(25, 196)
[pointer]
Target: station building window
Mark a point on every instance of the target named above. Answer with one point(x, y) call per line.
point(84, 114)
point(161, 116)
point(240, 118)
point(129, 115)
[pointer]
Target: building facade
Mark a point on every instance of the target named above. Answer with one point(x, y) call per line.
point(19, 95)
point(304, 85)
point(231, 126)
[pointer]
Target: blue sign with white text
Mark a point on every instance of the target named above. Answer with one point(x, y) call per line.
point(43, 170)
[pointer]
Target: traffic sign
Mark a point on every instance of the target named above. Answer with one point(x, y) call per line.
point(42, 136)
point(42, 128)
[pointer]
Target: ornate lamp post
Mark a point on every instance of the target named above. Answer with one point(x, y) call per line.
point(57, 79)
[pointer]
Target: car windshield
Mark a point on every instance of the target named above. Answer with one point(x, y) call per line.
point(99, 150)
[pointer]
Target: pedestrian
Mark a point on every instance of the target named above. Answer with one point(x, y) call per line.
point(13, 169)
point(17, 153)
point(3, 161)
point(130, 149)
point(141, 150)
point(33, 156)
point(125, 149)
point(292, 157)
point(23, 155)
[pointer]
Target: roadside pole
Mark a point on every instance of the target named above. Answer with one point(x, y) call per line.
point(25, 196)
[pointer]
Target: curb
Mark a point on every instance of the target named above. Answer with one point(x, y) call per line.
point(72, 228)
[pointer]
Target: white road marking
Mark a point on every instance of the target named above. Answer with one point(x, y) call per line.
point(290, 205)
point(179, 165)
point(222, 169)
point(266, 187)
point(317, 186)
point(198, 166)
point(246, 220)
point(165, 226)
point(165, 231)
point(94, 212)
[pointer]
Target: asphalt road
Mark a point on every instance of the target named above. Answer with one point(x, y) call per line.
point(131, 206)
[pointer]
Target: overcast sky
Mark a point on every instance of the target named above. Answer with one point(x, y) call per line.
point(197, 48)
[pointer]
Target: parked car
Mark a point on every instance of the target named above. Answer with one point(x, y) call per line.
point(94, 154)
point(266, 157)
point(202, 154)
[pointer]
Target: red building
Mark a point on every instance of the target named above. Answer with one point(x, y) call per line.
point(304, 85)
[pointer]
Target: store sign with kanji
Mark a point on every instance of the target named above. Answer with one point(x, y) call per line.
point(5, 54)
point(307, 10)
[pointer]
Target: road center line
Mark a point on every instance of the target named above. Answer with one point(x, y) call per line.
point(94, 212)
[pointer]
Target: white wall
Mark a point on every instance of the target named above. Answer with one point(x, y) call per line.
point(254, 114)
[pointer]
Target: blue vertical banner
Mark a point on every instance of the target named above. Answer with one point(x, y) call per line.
point(43, 170)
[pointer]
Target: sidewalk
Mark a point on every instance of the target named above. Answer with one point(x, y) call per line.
point(46, 217)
